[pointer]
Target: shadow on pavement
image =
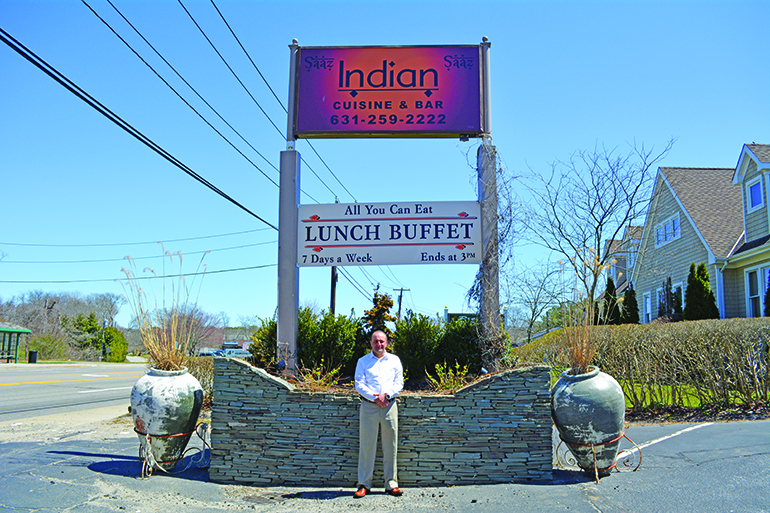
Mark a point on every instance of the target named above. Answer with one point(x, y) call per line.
point(131, 466)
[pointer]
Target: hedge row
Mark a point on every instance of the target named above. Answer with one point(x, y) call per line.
point(324, 340)
point(710, 362)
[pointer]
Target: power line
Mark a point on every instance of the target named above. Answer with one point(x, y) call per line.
point(177, 93)
point(203, 33)
point(215, 111)
point(352, 281)
point(281, 103)
point(128, 243)
point(102, 280)
point(99, 107)
point(105, 260)
point(368, 277)
point(249, 56)
point(249, 92)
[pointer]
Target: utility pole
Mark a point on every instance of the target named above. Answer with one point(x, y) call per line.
point(400, 297)
point(333, 301)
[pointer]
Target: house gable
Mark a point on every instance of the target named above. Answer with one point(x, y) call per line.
point(752, 174)
point(694, 216)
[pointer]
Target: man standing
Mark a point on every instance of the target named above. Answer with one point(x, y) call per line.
point(379, 379)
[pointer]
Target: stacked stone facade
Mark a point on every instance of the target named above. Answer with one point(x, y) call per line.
point(264, 431)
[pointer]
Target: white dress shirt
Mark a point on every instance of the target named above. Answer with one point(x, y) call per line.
point(377, 375)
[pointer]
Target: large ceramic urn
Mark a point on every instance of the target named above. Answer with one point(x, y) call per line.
point(165, 406)
point(589, 411)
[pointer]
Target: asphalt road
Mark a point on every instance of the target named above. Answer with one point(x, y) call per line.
point(32, 390)
point(704, 467)
point(58, 466)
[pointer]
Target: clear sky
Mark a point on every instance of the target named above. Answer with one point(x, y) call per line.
point(79, 194)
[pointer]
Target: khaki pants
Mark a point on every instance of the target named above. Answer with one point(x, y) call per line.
point(372, 418)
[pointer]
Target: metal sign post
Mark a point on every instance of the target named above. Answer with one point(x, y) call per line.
point(288, 271)
point(399, 92)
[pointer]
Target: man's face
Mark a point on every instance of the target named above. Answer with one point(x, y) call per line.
point(379, 343)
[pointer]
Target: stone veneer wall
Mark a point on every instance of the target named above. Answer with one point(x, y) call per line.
point(266, 432)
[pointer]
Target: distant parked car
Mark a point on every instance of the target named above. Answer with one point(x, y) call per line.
point(237, 353)
point(219, 352)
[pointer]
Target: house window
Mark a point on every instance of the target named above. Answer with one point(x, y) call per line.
point(754, 305)
point(667, 231)
point(756, 286)
point(755, 197)
point(647, 308)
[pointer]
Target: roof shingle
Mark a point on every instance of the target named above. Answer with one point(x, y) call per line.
point(712, 201)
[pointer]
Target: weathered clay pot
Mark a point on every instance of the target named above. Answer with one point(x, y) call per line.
point(165, 405)
point(589, 411)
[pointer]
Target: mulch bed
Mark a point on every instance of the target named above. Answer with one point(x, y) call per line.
point(671, 414)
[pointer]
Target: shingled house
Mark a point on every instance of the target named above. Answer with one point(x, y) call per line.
point(716, 216)
point(748, 267)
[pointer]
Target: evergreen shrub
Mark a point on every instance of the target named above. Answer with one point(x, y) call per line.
point(459, 343)
point(415, 341)
point(114, 339)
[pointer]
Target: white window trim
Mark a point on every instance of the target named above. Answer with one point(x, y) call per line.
point(646, 302)
point(761, 288)
point(749, 185)
point(663, 223)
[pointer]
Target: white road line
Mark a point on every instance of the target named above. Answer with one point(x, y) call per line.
point(104, 390)
point(658, 440)
point(96, 375)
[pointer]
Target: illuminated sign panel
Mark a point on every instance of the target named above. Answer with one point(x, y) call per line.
point(444, 232)
point(423, 91)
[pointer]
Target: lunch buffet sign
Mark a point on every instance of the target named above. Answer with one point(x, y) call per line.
point(348, 234)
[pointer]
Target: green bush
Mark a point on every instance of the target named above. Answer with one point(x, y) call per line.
point(326, 339)
point(264, 343)
point(415, 342)
point(323, 337)
point(114, 339)
point(709, 362)
point(459, 344)
point(48, 347)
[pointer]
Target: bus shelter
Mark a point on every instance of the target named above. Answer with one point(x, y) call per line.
point(11, 336)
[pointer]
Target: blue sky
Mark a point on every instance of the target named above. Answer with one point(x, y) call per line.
point(79, 194)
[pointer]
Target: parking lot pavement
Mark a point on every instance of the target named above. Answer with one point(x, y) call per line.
point(685, 467)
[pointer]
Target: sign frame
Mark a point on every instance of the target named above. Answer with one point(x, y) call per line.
point(317, 107)
point(389, 233)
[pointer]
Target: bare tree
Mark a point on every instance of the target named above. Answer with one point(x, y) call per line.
point(203, 328)
point(106, 306)
point(587, 200)
point(533, 291)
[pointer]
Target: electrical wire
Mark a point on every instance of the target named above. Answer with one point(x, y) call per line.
point(248, 92)
point(52, 72)
point(392, 274)
point(103, 280)
point(248, 56)
point(178, 94)
point(352, 281)
point(281, 103)
point(132, 258)
point(128, 243)
point(215, 111)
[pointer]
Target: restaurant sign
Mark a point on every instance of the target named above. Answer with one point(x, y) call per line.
point(388, 91)
point(343, 234)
